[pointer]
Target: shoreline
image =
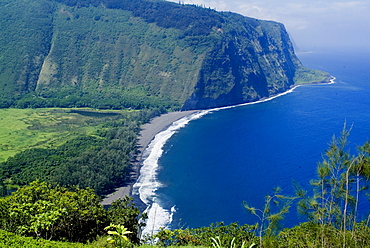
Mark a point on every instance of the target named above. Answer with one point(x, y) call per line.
point(146, 135)
point(161, 123)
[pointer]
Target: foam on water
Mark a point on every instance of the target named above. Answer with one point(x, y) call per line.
point(147, 183)
point(158, 217)
point(146, 186)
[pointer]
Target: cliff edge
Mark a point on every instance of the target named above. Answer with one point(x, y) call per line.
point(138, 54)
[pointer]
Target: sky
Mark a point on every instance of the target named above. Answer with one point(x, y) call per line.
point(312, 24)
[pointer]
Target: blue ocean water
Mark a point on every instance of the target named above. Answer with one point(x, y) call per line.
point(214, 163)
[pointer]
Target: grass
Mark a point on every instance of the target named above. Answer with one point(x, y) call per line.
point(102, 242)
point(187, 246)
point(44, 128)
point(308, 76)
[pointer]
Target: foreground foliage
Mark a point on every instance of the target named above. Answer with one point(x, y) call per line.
point(331, 209)
point(10, 240)
point(313, 235)
point(227, 234)
point(124, 214)
point(274, 209)
point(57, 213)
point(340, 186)
point(41, 210)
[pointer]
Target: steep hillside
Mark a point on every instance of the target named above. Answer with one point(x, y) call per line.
point(138, 54)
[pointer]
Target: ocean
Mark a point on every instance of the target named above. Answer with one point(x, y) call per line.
point(202, 169)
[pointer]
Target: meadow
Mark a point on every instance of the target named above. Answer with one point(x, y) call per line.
point(22, 129)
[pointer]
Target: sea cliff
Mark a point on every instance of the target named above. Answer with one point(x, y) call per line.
point(140, 54)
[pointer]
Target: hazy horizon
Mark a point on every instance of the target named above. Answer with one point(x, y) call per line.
point(312, 24)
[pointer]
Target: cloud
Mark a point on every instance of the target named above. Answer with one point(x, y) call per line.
point(311, 22)
point(220, 5)
point(358, 5)
point(255, 11)
point(215, 4)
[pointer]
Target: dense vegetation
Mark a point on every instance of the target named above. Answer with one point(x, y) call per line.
point(58, 213)
point(192, 19)
point(99, 160)
point(151, 56)
point(50, 127)
point(11, 240)
point(333, 219)
point(110, 54)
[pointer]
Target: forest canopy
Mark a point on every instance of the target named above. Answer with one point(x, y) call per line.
point(100, 160)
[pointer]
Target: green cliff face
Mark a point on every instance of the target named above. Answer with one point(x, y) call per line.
point(138, 54)
point(253, 59)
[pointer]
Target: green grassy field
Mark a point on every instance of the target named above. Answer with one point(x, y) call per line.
point(21, 129)
point(308, 76)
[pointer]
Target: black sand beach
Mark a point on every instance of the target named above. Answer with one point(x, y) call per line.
point(146, 135)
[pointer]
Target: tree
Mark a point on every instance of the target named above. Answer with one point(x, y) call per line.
point(334, 203)
point(232, 235)
point(124, 212)
point(325, 206)
point(276, 206)
point(118, 236)
point(53, 213)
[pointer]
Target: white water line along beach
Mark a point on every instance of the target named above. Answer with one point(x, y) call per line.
point(150, 143)
point(147, 184)
point(146, 135)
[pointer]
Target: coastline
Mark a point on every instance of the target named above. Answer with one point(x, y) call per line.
point(146, 135)
point(161, 123)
